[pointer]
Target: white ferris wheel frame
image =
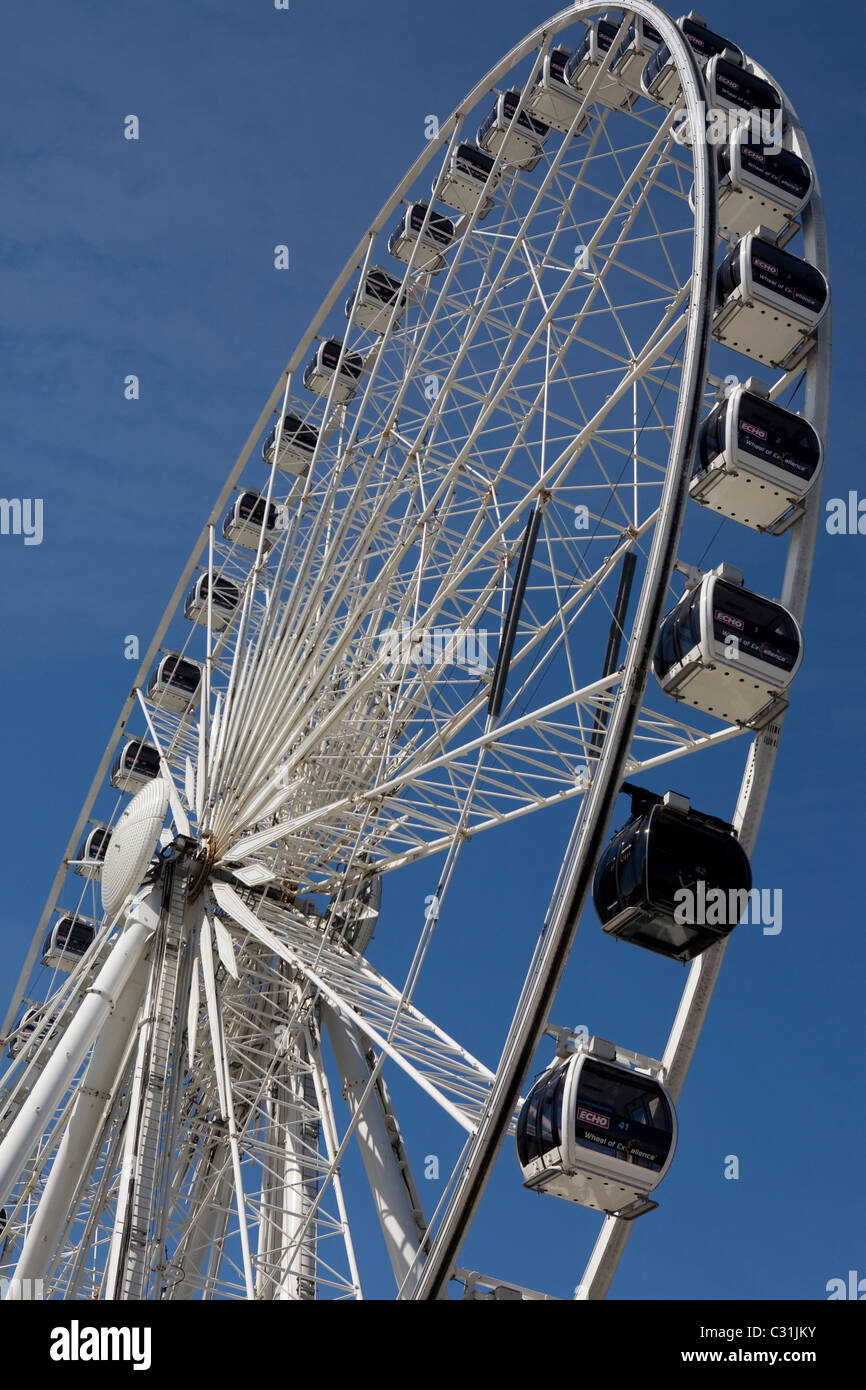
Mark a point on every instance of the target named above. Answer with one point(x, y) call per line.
point(533, 1007)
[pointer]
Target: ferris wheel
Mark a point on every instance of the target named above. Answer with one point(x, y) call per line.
point(488, 551)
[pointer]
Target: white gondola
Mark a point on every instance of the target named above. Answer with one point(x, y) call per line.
point(518, 142)
point(67, 941)
point(373, 301)
point(727, 651)
point(91, 852)
point(244, 521)
point(326, 366)
point(640, 42)
point(730, 87)
point(769, 302)
point(660, 79)
point(756, 461)
point(464, 180)
point(552, 100)
point(297, 445)
point(29, 1032)
point(667, 847)
point(596, 1131)
point(175, 682)
point(761, 189)
point(581, 68)
point(226, 597)
point(432, 242)
point(136, 764)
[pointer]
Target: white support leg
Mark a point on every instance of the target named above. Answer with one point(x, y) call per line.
point(98, 1002)
point(390, 1184)
point(75, 1152)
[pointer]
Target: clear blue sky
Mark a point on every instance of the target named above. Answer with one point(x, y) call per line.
point(156, 258)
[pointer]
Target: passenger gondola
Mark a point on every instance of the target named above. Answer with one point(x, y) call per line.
point(226, 597)
point(27, 1034)
point(66, 942)
point(596, 1131)
point(245, 520)
point(465, 178)
point(731, 87)
point(728, 651)
point(297, 445)
point(660, 79)
point(373, 301)
point(755, 460)
point(518, 142)
point(641, 41)
point(432, 241)
point(91, 852)
point(326, 366)
point(175, 682)
point(552, 101)
point(136, 764)
point(658, 873)
point(582, 66)
point(769, 302)
point(761, 189)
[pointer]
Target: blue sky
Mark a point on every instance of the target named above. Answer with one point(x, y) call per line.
point(155, 257)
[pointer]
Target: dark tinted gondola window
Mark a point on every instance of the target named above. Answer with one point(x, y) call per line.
point(225, 593)
point(142, 758)
point(684, 852)
point(651, 35)
point(69, 935)
point(630, 866)
point(705, 43)
point(251, 507)
point(784, 170)
point(607, 32)
point(762, 628)
point(558, 61)
point(474, 162)
point(330, 352)
point(623, 48)
point(527, 1124)
point(712, 437)
point(295, 430)
point(680, 632)
point(777, 435)
point(604, 888)
point(729, 274)
point(550, 1115)
point(509, 106)
point(577, 57)
point(439, 229)
point(666, 651)
point(655, 64)
point(623, 1115)
point(744, 90)
point(180, 673)
point(787, 275)
point(381, 286)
